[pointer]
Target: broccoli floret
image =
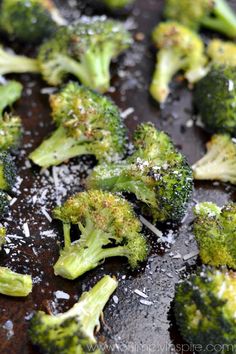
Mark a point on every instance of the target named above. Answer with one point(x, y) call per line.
point(117, 4)
point(11, 283)
point(222, 53)
point(29, 20)
point(103, 219)
point(84, 49)
point(13, 63)
point(7, 171)
point(156, 173)
point(73, 331)
point(178, 49)
point(205, 306)
point(219, 163)
point(88, 123)
point(215, 99)
point(10, 125)
point(214, 229)
point(216, 15)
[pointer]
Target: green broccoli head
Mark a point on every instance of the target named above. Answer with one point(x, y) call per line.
point(219, 162)
point(7, 171)
point(216, 15)
point(222, 53)
point(178, 49)
point(215, 234)
point(103, 220)
point(84, 49)
point(73, 331)
point(205, 306)
point(156, 173)
point(117, 4)
point(88, 123)
point(29, 20)
point(215, 99)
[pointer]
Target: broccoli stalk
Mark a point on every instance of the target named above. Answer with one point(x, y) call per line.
point(224, 19)
point(11, 283)
point(12, 63)
point(214, 229)
point(117, 4)
point(88, 124)
point(179, 49)
point(156, 173)
point(219, 163)
point(216, 15)
point(9, 93)
point(103, 220)
point(73, 331)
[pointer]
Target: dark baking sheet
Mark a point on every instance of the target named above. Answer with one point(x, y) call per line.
point(130, 326)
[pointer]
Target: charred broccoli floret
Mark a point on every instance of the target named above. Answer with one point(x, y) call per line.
point(7, 171)
point(178, 49)
point(117, 4)
point(88, 123)
point(215, 99)
point(11, 283)
point(103, 220)
point(84, 49)
point(216, 15)
point(215, 232)
point(205, 306)
point(219, 163)
point(73, 331)
point(222, 53)
point(156, 173)
point(10, 125)
point(29, 20)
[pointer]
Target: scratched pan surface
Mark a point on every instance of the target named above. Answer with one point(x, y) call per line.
point(130, 325)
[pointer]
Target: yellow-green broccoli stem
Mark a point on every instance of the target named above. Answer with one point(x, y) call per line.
point(12, 63)
point(14, 284)
point(219, 163)
point(9, 93)
point(58, 148)
point(224, 19)
point(117, 4)
point(73, 331)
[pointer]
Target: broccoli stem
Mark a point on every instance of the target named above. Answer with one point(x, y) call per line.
point(224, 21)
point(9, 93)
point(90, 306)
point(168, 64)
point(59, 148)
point(12, 63)
point(78, 258)
point(14, 284)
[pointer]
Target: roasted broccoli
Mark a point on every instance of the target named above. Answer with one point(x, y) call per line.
point(215, 232)
point(216, 15)
point(73, 331)
point(156, 173)
point(215, 99)
point(11, 283)
point(84, 49)
point(117, 4)
point(29, 20)
point(103, 219)
point(222, 53)
point(178, 49)
point(88, 123)
point(7, 171)
point(10, 125)
point(219, 163)
point(13, 63)
point(205, 306)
